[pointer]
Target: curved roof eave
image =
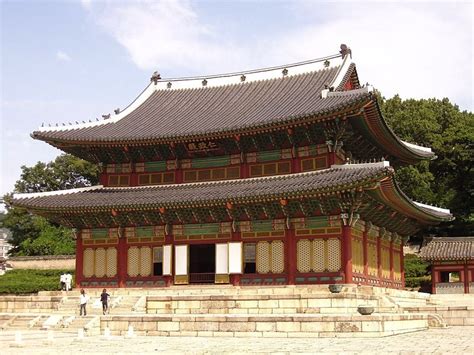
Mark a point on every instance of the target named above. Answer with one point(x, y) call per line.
point(390, 193)
point(372, 124)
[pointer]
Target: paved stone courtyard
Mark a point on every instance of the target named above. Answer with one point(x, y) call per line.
point(454, 340)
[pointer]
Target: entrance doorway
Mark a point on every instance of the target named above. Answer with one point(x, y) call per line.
point(202, 263)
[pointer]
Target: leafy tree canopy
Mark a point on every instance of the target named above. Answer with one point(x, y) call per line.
point(448, 180)
point(34, 235)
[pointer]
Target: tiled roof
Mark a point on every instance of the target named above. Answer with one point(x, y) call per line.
point(242, 191)
point(454, 248)
point(170, 113)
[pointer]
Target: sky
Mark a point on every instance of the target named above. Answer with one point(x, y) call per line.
point(67, 61)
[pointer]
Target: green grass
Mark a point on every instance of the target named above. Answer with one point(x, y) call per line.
point(30, 281)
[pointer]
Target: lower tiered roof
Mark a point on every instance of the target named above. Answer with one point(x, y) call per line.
point(449, 248)
point(368, 189)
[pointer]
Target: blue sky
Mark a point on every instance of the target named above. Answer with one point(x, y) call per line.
point(67, 61)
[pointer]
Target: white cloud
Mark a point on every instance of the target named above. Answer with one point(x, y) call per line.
point(86, 4)
point(165, 34)
point(62, 56)
point(417, 50)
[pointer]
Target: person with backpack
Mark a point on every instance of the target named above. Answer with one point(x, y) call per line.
point(104, 298)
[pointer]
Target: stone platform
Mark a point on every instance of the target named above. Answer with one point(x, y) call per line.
point(272, 311)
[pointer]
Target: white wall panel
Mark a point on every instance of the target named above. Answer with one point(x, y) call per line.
point(235, 258)
point(167, 259)
point(181, 259)
point(222, 259)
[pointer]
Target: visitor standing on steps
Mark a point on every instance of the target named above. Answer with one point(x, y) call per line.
point(104, 298)
point(83, 301)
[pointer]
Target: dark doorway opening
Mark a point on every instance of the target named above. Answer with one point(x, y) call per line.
point(202, 263)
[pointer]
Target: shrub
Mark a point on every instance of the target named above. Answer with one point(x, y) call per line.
point(30, 281)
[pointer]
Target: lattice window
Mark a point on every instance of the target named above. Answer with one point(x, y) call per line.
point(278, 257)
point(263, 257)
point(314, 164)
point(303, 255)
point(133, 261)
point(99, 269)
point(145, 261)
point(396, 266)
point(119, 180)
point(372, 256)
point(385, 263)
point(88, 263)
point(334, 254)
point(357, 255)
point(111, 262)
point(318, 263)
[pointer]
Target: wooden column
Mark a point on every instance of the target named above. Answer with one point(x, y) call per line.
point(79, 259)
point(103, 179)
point(347, 253)
point(122, 260)
point(466, 278)
point(391, 261)
point(178, 175)
point(235, 279)
point(290, 256)
point(244, 170)
point(365, 244)
point(434, 278)
point(331, 158)
point(134, 179)
point(402, 266)
point(379, 259)
point(169, 241)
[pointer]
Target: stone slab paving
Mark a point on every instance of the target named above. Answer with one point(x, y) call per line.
point(453, 340)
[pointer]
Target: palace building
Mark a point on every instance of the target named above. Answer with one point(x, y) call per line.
point(281, 175)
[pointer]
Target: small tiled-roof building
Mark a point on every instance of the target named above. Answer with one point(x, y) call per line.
point(271, 176)
point(452, 261)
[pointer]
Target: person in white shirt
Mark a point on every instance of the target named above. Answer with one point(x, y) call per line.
point(62, 280)
point(83, 302)
point(68, 281)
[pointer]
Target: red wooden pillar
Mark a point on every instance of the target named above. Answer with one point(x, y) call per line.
point(235, 278)
point(122, 261)
point(466, 279)
point(331, 158)
point(290, 255)
point(379, 259)
point(79, 259)
point(244, 170)
point(103, 179)
point(434, 278)
point(178, 175)
point(347, 253)
point(134, 179)
point(366, 256)
point(402, 266)
point(391, 262)
point(169, 278)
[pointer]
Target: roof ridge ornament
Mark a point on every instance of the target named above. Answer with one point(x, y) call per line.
point(155, 77)
point(345, 50)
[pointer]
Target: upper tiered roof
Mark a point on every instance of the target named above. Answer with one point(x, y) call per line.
point(216, 106)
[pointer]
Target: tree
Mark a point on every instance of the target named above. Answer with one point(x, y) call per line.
point(34, 235)
point(447, 181)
